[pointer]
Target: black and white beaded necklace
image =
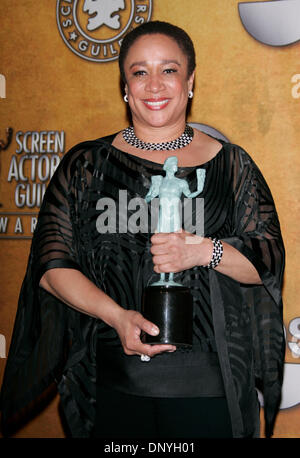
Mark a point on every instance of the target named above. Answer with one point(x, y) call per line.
point(185, 139)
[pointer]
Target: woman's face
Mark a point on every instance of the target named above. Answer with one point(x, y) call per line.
point(156, 81)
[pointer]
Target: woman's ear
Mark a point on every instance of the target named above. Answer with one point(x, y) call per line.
point(191, 81)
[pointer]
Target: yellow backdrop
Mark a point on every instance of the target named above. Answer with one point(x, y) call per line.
point(245, 89)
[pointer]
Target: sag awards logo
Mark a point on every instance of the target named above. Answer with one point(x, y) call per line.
point(24, 178)
point(94, 29)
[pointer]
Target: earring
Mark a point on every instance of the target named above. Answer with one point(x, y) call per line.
point(125, 98)
point(191, 94)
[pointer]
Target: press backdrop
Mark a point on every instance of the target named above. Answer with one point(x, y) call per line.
point(59, 85)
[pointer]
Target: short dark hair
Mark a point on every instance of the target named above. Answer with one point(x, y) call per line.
point(158, 27)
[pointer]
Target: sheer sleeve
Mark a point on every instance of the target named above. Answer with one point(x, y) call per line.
point(53, 244)
point(256, 228)
point(256, 234)
point(46, 333)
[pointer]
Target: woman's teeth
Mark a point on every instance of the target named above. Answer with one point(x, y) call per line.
point(157, 103)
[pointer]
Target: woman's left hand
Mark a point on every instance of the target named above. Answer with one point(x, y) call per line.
point(177, 251)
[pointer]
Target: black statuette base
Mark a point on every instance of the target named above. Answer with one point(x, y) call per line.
point(171, 309)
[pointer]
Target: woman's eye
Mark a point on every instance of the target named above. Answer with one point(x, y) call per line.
point(170, 70)
point(139, 73)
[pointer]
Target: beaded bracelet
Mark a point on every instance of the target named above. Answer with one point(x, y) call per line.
point(216, 255)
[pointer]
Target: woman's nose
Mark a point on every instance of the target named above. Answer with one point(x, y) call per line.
point(154, 83)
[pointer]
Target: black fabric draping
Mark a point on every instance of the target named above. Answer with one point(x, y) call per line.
point(53, 342)
point(192, 373)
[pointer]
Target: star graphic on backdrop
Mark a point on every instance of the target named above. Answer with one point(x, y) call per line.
point(73, 36)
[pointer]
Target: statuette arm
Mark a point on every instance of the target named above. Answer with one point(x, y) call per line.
point(154, 188)
point(200, 185)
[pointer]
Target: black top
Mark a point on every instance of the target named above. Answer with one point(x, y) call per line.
point(185, 373)
point(52, 341)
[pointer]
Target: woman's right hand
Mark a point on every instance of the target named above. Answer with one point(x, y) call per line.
point(129, 327)
point(76, 290)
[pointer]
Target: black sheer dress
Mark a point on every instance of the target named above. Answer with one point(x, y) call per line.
point(238, 333)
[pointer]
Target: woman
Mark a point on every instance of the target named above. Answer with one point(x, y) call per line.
point(234, 272)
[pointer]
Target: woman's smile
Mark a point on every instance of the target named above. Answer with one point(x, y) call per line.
point(156, 104)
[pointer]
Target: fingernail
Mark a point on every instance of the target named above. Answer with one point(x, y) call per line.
point(155, 331)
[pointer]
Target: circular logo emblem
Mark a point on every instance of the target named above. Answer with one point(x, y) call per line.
point(94, 29)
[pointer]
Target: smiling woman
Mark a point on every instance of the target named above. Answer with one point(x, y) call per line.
point(83, 287)
point(157, 86)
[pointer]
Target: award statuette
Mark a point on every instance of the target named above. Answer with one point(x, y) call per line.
point(166, 303)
